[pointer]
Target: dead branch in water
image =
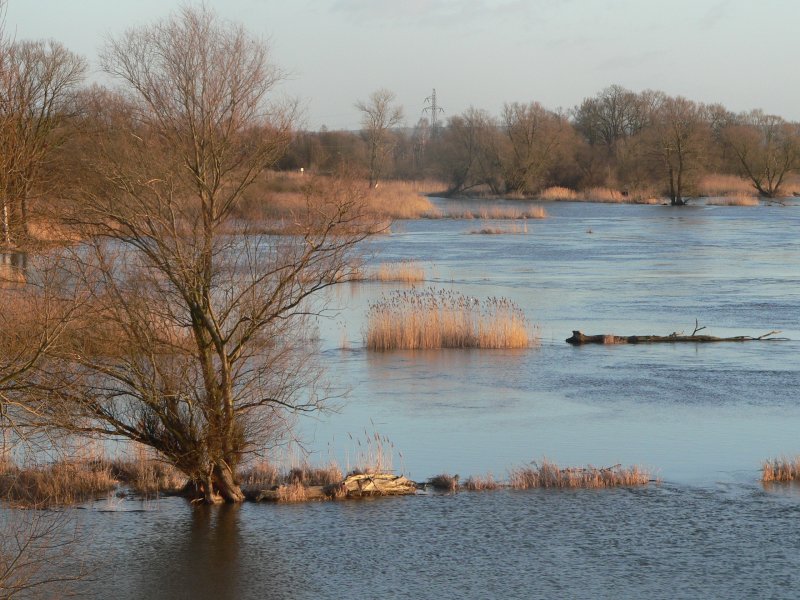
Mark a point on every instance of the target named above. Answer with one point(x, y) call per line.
point(579, 338)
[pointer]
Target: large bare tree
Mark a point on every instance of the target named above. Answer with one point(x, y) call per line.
point(766, 149)
point(37, 84)
point(191, 337)
point(379, 115)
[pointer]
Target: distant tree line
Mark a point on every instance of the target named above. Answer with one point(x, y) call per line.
point(633, 142)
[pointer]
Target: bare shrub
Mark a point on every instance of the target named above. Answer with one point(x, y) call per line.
point(444, 482)
point(435, 318)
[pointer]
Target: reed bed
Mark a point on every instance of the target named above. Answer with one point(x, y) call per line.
point(726, 186)
point(145, 474)
point(494, 212)
point(549, 475)
point(781, 470)
point(480, 483)
point(558, 193)
point(405, 271)
point(434, 318)
point(59, 483)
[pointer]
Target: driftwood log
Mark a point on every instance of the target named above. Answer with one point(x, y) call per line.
point(578, 338)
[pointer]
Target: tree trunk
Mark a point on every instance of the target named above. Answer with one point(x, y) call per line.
point(226, 485)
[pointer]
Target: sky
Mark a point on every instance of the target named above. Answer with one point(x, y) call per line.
point(482, 53)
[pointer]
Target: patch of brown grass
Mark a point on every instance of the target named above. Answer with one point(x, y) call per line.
point(293, 492)
point(725, 186)
point(558, 193)
point(549, 475)
point(405, 271)
point(444, 482)
point(478, 483)
point(781, 470)
point(147, 475)
point(494, 212)
point(435, 318)
point(58, 483)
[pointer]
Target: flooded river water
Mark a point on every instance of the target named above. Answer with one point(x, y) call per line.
point(702, 417)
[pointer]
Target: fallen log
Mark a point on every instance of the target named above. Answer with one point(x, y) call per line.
point(579, 339)
point(355, 485)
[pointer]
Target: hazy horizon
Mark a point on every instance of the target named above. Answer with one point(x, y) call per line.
point(481, 53)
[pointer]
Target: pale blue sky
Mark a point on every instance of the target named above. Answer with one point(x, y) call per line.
point(482, 53)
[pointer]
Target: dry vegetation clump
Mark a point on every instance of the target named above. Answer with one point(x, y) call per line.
point(276, 197)
point(558, 193)
point(435, 318)
point(726, 186)
point(147, 475)
point(444, 482)
point(58, 483)
point(549, 475)
point(495, 212)
point(512, 230)
point(781, 469)
point(308, 475)
point(405, 271)
point(478, 483)
point(293, 492)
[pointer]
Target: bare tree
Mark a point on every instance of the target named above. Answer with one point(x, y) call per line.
point(766, 149)
point(680, 137)
point(37, 83)
point(191, 341)
point(535, 135)
point(378, 116)
point(469, 152)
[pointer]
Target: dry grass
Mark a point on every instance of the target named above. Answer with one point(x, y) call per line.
point(147, 475)
point(612, 196)
point(435, 318)
point(726, 186)
point(480, 483)
point(494, 212)
point(549, 475)
point(444, 482)
point(781, 469)
point(293, 492)
point(558, 193)
point(405, 271)
point(278, 196)
point(59, 483)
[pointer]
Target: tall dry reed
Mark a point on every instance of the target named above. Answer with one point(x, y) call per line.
point(404, 271)
point(436, 318)
point(781, 469)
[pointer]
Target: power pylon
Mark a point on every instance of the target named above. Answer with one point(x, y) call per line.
point(434, 109)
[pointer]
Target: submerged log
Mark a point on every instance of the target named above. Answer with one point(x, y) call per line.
point(579, 339)
point(356, 485)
